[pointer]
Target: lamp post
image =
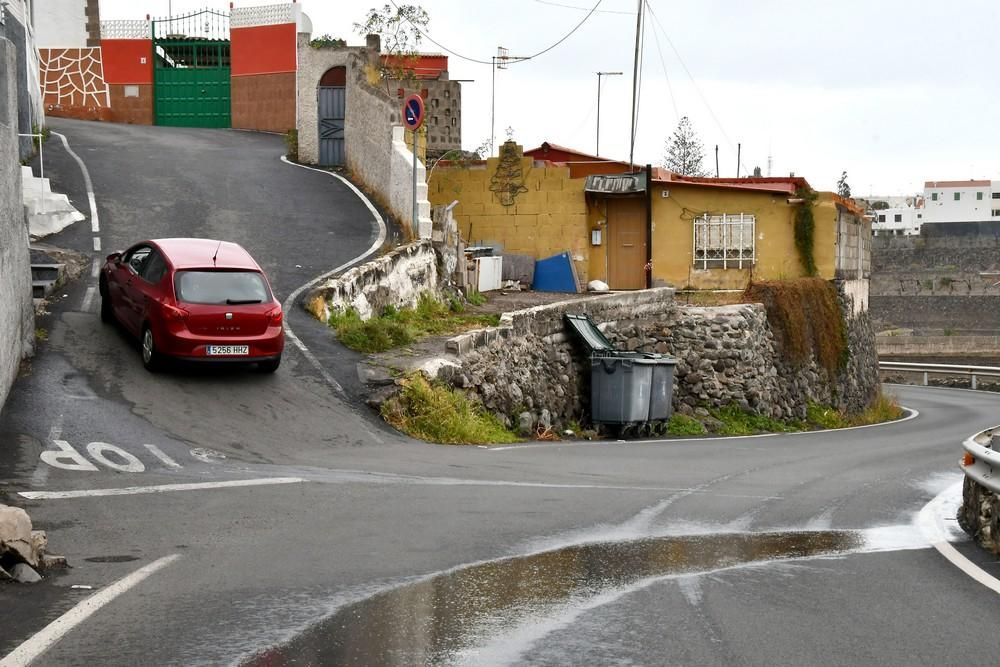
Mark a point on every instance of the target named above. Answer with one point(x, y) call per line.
point(597, 150)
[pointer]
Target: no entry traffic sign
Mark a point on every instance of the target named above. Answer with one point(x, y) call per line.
point(413, 112)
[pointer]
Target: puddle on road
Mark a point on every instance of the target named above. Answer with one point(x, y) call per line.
point(433, 620)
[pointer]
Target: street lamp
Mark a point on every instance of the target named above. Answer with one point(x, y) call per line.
point(597, 151)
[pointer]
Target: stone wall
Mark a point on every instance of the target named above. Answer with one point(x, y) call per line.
point(23, 69)
point(16, 314)
point(396, 279)
point(966, 314)
point(726, 355)
point(938, 346)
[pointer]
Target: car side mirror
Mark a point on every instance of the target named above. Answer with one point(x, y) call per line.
point(114, 257)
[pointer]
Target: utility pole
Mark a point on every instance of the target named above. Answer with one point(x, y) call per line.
point(597, 150)
point(635, 79)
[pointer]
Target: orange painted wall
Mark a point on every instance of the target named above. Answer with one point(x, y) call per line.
point(266, 49)
point(123, 60)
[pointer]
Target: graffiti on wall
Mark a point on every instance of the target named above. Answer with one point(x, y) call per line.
point(73, 78)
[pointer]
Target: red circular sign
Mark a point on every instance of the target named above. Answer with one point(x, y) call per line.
point(413, 112)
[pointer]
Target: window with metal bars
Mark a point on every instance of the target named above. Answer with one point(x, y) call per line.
point(724, 241)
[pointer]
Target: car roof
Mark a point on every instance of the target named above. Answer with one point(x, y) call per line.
point(198, 254)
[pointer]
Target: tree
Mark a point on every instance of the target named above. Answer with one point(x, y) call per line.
point(400, 30)
point(880, 205)
point(684, 151)
point(843, 189)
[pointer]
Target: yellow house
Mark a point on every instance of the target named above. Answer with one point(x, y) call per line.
point(652, 227)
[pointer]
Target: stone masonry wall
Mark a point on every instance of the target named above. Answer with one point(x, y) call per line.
point(16, 313)
point(725, 355)
point(396, 279)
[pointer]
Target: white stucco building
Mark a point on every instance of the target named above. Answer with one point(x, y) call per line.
point(961, 201)
point(898, 220)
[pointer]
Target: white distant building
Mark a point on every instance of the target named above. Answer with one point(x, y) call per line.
point(961, 201)
point(897, 220)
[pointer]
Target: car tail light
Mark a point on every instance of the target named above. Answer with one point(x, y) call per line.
point(968, 459)
point(174, 314)
point(275, 316)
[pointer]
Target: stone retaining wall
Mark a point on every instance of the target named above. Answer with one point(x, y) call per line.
point(979, 515)
point(945, 346)
point(726, 355)
point(396, 279)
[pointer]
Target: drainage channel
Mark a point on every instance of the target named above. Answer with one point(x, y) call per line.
point(434, 620)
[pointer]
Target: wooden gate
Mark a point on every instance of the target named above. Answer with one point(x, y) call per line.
point(627, 243)
point(332, 108)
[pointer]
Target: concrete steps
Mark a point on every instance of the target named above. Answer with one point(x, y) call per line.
point(47, 212)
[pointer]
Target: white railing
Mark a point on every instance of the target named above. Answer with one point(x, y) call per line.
point(973, 372)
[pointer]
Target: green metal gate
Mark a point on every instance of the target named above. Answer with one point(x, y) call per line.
point(191, 70)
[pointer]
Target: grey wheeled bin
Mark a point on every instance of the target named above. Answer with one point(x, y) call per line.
point(661, 387)
point(619, 388)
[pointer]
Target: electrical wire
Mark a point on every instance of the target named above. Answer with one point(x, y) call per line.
point(670, 89)
point(583, 9)
point(697, 88)
point(508, 60)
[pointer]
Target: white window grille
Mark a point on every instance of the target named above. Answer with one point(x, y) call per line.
point(724, 241)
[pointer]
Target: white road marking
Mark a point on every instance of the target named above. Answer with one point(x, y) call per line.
point(913, 414)
point(42, 641)
point(158, 453)
point(95, 224)
point(931, 525)
point(97, 244)
point(162, 488)
point(290, 301)
point(66, 451)
point(88, 299)
point(95, 267)
point(99, 450)
point(41, 474)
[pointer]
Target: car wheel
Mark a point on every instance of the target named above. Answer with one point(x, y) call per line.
point(107, 311)
point(150, 356)
point(268, 366)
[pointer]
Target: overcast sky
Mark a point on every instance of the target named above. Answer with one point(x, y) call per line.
point(895, 92)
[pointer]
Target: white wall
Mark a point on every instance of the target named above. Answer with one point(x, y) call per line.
point(908, 224)
point(60, 24)
point(969, 207)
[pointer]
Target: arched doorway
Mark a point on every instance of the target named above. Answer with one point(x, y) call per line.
point(332, 97)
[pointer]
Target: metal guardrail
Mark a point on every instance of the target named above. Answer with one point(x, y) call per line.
point(980, 458)
point(942, 369)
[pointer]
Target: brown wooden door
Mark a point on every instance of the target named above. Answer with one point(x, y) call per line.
point(627, 243)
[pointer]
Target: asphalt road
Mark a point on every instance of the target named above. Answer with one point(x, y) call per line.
point(790, 549)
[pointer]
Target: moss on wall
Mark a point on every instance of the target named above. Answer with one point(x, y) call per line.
point(806, 319)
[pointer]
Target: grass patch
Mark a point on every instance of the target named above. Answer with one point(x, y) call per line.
point(395, 328)
point(684, 425)
point(436, 413)
point(737, 422)
point(825, 417)
point(475, 297)
point(884, 408)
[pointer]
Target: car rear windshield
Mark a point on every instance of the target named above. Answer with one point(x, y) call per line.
point(221, 287)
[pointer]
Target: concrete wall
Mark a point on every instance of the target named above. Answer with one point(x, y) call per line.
point(547, 218)
point(373, 158)
point(935, 346)
point(397, 279)
point(16, 313)
point(61, 24)
point(25, 70)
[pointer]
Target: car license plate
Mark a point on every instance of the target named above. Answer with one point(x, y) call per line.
point(223, 350)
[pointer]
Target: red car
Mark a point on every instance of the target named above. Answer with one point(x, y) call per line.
point(195, 300)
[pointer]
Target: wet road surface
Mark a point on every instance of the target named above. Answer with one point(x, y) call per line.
point(364, 520)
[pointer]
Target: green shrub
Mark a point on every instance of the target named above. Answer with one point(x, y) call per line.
point(475, 297)
point(292, 144)
point(436, 413)
point(402, 326)
point(681, 425)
